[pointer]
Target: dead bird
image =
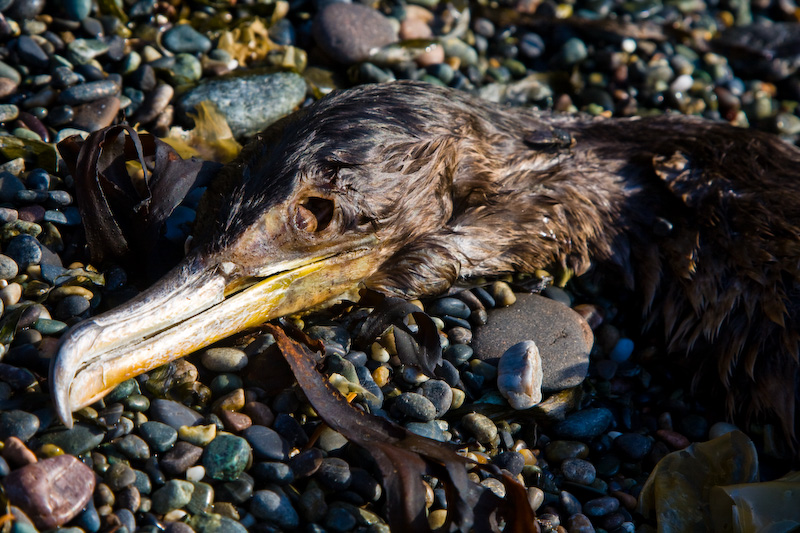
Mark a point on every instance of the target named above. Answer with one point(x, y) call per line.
point(407, 188)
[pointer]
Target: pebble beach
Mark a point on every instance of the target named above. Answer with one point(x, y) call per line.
point(214, 442)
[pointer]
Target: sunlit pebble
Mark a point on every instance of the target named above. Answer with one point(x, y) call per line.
point(195, 473)
point(629, 45)
point(519, 375)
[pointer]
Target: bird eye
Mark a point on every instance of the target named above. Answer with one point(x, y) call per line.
point(314, 214)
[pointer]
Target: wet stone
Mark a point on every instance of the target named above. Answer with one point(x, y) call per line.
point(633, 446)
point(600, 506)
point(119, 476)
point(585, 424)
point(563, 337)
point(71, 306)
point(334, 473)
point(76, 441)
point(52, 491)
point(266, 443)
point(24, 250)
point(415, 406)
point(182, 456)
point(458, 354)
point(560, 450)
point(214, 523)
point(95, 115)
point(20, 424)
point(134, 447)
point(226, 457)
point(173, 495)
point(88, 92)
point(185, 39)
point(348, 32)
point(274, 507)
point(237, 491)
point(31, 53)
point(579, 471)
point(202, 497)
point(224, 359)
point(449, 306)
point(511, 461)
point(174, 414)
point(273, 472)
point(430, 430)
point(10, 185)
point(579, 523)
point(439, 394)
point(480, 426)
point(306, 463)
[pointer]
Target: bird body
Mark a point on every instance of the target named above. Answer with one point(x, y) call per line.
point(408, 188)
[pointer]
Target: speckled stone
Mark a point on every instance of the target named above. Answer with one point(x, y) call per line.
point(585, 424)
point(415, 406)
point(226, 457)
point(223, 359)
point(53, 491)
point(249, 103)
point(562, 335)
point(480, 426)
point(579, 471)
point(173, 495)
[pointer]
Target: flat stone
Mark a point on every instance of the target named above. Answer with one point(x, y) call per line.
point(223, 359)
point(173, 495)
point(585, 424)
point(182, 456)
point(185, 39)
point(349, 32)
point(563, 337)
point(249, 103)
point(77, 441)
point(159, 436)
point(88, 92)
point(174, 414)
point(20, 424)
point(96, 115)
point(53, 491)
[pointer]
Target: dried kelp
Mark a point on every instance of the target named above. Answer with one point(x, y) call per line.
point(404, 457)
point(123, 214)
point(425, 354)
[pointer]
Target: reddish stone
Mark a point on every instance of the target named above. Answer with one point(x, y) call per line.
point(16, 453)
point(235, 422)
point(674, 440)
point(259, 413)
point(53, 491)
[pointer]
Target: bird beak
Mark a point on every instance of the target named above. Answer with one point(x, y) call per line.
point(199, 302)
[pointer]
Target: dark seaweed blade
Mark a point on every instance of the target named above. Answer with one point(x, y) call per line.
point(123, 219)
point(425, 354)
point(403, 457)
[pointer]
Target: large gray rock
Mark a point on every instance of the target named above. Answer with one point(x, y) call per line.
point(563, 337)
point(249, 103)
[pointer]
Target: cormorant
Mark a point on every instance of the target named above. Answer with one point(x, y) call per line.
point(407, 188)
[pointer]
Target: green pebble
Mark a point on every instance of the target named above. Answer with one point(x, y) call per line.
point(226, 457)
point(19, 227)
point(76, 441)
point(186, 69)
point(173, 495)
point(159, 436)
point(25, 133)
point(47, 326)
point(214, 523)
point(225, 383)
point(137, 402)
point(202, 498)
point(122, 391)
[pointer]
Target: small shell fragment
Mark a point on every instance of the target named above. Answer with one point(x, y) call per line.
point(519, 375)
